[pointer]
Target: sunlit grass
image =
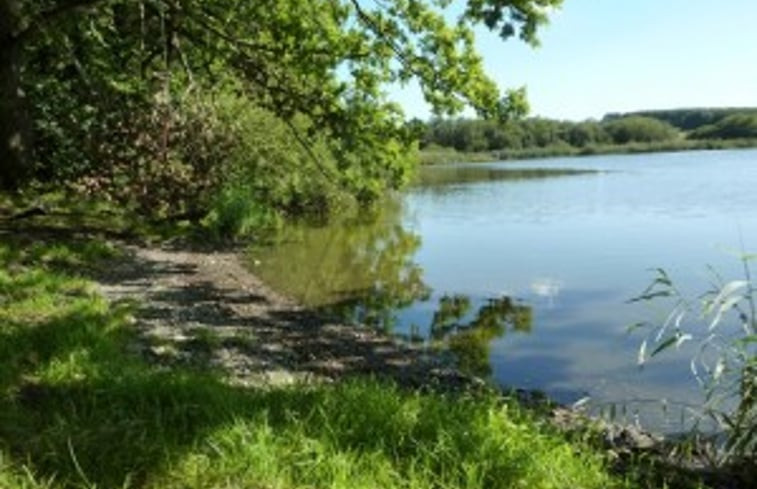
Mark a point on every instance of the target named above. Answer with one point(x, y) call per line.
point(78, 410)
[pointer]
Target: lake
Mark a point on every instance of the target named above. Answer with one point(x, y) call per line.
point(523, 271)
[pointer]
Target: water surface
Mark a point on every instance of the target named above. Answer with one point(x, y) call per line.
point(524, 269)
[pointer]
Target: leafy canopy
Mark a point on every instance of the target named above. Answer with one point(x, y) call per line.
point(327, 58)
point(114, 81)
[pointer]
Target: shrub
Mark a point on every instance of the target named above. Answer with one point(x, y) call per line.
point(236, 212)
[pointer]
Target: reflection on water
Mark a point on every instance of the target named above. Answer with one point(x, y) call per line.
point(358, 269)
point(547, 288)
point(441, 175)
point(362, 271)
point(470, 340)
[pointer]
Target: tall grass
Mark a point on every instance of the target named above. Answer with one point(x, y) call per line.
point(78, 410)
point(722, 324)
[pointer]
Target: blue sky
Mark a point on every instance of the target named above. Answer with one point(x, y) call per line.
point(600, 56)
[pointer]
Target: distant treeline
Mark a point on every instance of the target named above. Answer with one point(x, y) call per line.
point(687, 119)
point(648, 127)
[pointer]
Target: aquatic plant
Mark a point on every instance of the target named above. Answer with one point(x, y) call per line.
point(722, 323)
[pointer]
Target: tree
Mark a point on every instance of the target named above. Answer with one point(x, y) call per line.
point(13, 144)
point(325, 59)
point(639, 129)
point(734, 126)
point(584, 134)
point(19, 22)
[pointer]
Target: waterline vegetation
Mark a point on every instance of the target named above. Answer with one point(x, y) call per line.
point(722, 326)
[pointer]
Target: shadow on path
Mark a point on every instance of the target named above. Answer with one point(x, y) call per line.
point(206, 309)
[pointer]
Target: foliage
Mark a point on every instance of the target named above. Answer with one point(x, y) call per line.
point(77, 409)
point(685, 119)
point(236, 212)
point(540, 133)
point(732, 127)
point(723, 325)
point(150, 102)
point(616, 133)
point(585, 134)
point(165, 154)
point(639, 129)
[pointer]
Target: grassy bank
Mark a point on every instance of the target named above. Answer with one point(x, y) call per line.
point(441, 155)
point(79, 409)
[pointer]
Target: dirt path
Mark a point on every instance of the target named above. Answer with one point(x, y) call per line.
point(207, 309)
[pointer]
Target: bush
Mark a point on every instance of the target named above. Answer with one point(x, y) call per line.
point(235, 212)
point(200, 156)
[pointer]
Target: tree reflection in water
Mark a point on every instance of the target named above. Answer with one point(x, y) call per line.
point(362, 271)
point(470, 340)
point(359, 269)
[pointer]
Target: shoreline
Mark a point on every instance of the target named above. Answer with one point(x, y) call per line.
point(258, 337)
point(254, 334)
point(446, 155)
point(203, 310)
point(81, 383)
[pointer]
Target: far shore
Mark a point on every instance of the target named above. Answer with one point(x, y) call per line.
point(441, 155)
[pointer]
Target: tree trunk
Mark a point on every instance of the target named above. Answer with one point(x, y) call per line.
point(15, 128)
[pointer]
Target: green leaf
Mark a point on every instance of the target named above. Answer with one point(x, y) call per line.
point(638, 325)
point(650, 296)
point(667, 343)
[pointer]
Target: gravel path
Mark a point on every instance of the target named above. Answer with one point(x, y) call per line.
point(207, 309)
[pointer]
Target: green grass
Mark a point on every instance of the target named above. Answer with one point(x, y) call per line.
point(78, 410)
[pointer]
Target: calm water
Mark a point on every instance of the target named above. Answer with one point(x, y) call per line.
point(525, 276)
